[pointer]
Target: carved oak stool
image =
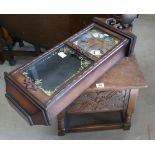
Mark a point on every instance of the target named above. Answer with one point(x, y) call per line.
point(108, 103)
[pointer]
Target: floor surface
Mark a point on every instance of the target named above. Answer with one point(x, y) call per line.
point(12, 126)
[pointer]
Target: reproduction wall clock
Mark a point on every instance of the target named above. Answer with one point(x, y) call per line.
point(42, 88)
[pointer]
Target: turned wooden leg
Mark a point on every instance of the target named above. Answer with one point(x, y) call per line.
point(10, 56)
point(6, 43)
point(61, 124)
point(131, 107)
point(2, 57)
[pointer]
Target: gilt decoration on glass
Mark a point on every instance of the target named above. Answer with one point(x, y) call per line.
point(52, 72)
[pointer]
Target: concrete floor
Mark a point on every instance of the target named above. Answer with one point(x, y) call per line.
point(12, 126)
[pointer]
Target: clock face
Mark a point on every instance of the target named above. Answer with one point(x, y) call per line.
point(96, 42)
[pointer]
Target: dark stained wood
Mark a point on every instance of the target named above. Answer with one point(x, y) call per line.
point(2, 57)
point(46, 30)
point(6, 42)
point(25, 53)
point(42, 35)
point(39, 30)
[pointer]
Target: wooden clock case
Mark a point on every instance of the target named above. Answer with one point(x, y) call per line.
point(38, 108)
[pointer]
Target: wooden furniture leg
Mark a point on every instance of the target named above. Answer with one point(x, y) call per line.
point(6, 44)
point(61, 124)
point(2, 58)
point(131, 107)
point(9, 55)
point(6, 47)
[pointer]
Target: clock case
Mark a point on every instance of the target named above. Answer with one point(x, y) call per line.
point(35, 106)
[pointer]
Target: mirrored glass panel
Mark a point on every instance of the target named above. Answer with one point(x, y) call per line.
point(52, 72)
point(96, 42)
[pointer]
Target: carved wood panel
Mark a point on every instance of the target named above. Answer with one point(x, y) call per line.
point(100, 102)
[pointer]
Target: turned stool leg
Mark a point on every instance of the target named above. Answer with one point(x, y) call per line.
point(127, 124)
point(61, 124)
point(131, 107)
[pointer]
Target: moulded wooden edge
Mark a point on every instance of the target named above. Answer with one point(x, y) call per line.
point(37, 118)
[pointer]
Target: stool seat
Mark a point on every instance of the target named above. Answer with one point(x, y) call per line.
point(125, 75)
